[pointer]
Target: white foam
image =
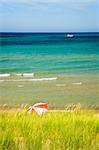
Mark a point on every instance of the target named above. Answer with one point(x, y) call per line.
point(20, 86)
point(77, 83)
point(28, 75)
point(60, 84)
point(5, 75)
point(18, 74)
point(44, 79)
point(39, 79)
point(2, 80)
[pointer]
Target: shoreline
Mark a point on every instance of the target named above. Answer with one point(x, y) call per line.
point(35, 79)
point(60, 90)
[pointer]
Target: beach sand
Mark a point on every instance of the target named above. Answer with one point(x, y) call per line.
point(59, 92)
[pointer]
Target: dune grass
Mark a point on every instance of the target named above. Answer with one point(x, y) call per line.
point(52, 131)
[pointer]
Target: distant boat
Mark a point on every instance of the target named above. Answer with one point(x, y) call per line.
point(70, 35)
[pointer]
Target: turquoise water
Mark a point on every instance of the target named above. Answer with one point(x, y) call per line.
point(49, 53)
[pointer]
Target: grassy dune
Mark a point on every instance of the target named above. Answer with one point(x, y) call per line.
point(52, 131)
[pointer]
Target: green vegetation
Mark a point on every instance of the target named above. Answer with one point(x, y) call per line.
point(52, 131)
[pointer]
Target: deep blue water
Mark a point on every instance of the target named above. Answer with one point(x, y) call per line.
point(49, 52)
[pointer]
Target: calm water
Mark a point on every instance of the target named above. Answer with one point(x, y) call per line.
point(49, 53)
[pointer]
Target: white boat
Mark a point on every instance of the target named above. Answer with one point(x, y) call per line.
point(70, 35)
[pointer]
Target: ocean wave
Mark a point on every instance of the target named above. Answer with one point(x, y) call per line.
point(36, 79)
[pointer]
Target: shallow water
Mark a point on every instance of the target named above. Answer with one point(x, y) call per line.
point(52, 53)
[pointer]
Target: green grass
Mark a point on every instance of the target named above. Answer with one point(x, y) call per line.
point(52, 131)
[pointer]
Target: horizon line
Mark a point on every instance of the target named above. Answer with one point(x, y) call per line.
point(49, 32)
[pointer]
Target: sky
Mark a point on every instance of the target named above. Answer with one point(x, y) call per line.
point(49, 16)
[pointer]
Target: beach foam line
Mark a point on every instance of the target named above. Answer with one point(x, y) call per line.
point(5, 75)
point(28, 75)
point(60, 84)
point(20, 86)
point(18, 74)
point(39, 79)
point(45, 79)
point(2, 81)
point(77, 83)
